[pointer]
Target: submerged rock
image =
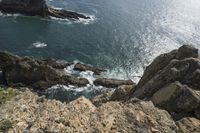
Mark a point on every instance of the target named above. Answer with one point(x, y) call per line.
point(35, 74)
point(112, 83)
point(37, 8)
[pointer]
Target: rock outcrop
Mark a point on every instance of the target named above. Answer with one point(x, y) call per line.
point(112, 83)
point(188, 125)
point(29, 113)
point(171, 81)
point(37, 74)
point(37, 8)
point(84, 67)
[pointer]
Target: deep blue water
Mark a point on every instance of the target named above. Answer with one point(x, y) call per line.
point(124, 35)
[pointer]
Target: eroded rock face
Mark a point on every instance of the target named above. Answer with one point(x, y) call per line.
point(177, 98)
point(37, 8)
point(112, 83)
point(172, 82)
point(179, 65)
point(188, 125)
point(34, 114)
point(122, 93)
point(36, 74)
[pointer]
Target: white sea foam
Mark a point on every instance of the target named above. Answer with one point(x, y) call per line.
point(80, 21)
point(87, 21)
point(39, 44)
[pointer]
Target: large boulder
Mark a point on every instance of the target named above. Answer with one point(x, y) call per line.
point(37, 7)
point(177, 98)
point(36, 74)
point(112, 83)
point(29, 113)
point(122, 93)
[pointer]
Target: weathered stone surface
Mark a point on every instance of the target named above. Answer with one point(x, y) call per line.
point(177, 98)
point(158, 64)
point(176, 70)
point(101, 99)
point(36, 74)
point(179, 65)
point(172, 82)
point(112, 83)
point(122, 93)
point(197, 112)
point(57, 64)
point(30, 113)
point(84, 67)
point(38, 8)
point(187, 51)
point(188, 125)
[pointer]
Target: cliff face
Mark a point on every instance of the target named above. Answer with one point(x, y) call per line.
point(37, 8)
point(166, 100)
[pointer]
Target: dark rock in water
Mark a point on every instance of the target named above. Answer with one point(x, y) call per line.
point(37, 8)
point(112, 83)
point(188, 125)
point(60, 13)
point(36, 74)
point(57, 64)
point(83, 67)
point(122, 93)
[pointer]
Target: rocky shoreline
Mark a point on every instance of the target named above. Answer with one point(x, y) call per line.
point(166, 99)
point(37, 8)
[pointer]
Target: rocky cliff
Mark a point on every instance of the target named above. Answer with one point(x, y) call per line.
point(166, 100)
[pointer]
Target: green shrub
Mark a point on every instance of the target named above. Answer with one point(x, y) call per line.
point(6, 95)
point(5, 125)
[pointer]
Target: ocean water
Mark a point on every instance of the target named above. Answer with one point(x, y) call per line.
point(122, 36)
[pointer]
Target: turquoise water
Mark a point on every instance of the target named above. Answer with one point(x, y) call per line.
point(123, 35)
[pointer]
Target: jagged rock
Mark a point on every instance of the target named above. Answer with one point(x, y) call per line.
point(177, 98)
point(157, 65)
point(36, 74)
point(81, 116)
point(188, 125)
point(57, 64)
point(197, 113)
point(122, 93)
point(178, 65)
point(131, 117)
point(84, 67)
point(112, 83)
point(101, 99)
point(38, 8)
point(172, 82)
point(187, 51)
point(60, 13)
